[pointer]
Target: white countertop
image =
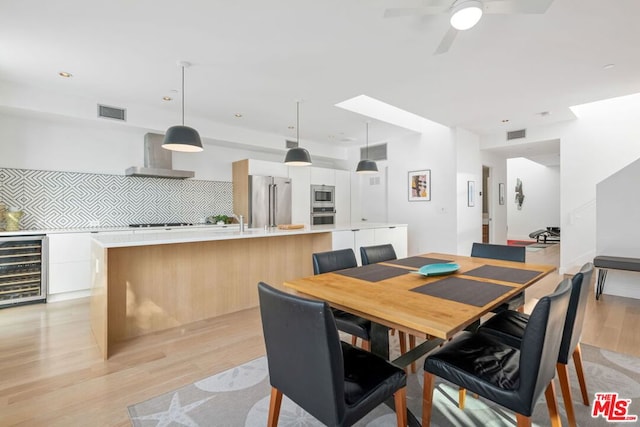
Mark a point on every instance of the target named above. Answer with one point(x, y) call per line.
point(202, 234)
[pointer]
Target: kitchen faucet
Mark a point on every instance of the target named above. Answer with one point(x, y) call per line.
point(240, 219)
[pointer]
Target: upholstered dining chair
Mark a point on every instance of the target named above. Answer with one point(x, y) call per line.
point(357, 327)
point(381, 253)
point(377, 253)
point(509, 376)
point(509, 327)
point(506, 253)
point(333, 381)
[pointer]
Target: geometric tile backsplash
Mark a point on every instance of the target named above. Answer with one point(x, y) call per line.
point(52, 200)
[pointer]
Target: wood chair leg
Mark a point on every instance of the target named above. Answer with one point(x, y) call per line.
point(274, 407)
point(427, 398)
point(400, 400)
point(354, 340)
point(563, 377)
point(462, 394)
point(552, 404)
point(412, 345)
point(523, 421)
point(577, 360)
point(366, 345)
point(403, 342)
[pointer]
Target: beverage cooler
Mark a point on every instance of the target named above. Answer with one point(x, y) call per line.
point(23, 265)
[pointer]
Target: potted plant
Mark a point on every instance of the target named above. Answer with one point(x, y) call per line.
point(221, 219)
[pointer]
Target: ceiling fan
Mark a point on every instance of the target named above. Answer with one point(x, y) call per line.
point(464, 14)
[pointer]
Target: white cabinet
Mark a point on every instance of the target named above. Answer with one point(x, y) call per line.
point(396, 235)
point(353, 239)
point(300, 195)
point(263, 167)
point(343, 197)
point(69, 262)
point(322, 176)
point(356, 238)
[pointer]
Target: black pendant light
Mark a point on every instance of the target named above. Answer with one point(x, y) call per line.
point(181, 137)
point(297, 156)
point(366, 165)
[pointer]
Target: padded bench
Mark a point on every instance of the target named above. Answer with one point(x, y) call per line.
point(604, 262)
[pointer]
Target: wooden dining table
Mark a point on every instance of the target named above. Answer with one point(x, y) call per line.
point(394, 295)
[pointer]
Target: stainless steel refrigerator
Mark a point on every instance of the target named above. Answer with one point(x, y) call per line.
point(269, 201)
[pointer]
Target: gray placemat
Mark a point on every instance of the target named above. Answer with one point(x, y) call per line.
point(466, 291)
point(373, 272)
point(506, 274)
point(417, 261)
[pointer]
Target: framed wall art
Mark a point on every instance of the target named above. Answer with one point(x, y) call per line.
point(419, 185)
point(501, 193)
point(471, 193)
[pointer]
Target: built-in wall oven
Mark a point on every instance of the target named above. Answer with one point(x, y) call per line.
point(323, 205)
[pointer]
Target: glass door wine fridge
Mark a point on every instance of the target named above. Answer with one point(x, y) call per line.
point(23, 263)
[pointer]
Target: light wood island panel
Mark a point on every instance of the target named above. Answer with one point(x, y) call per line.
point(142, 289)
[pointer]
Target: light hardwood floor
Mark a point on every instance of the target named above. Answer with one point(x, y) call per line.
point(52, 374)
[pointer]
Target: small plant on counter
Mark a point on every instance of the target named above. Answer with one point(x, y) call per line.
point(225, 219)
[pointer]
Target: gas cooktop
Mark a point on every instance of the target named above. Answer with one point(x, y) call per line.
point(164, 224)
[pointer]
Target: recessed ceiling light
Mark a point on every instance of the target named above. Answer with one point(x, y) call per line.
point(238, 115)
point(609, 66)
point(167, 98)
point(65, 74)
point(505, 120)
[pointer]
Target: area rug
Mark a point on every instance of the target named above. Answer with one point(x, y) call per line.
point(240, 397)
point(521, 242)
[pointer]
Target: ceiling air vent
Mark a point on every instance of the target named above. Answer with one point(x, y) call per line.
point(112, 113)
point(291, 144)
point(516, 134)
point(376, 152)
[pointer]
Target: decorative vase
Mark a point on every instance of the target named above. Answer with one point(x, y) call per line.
point(12, 219)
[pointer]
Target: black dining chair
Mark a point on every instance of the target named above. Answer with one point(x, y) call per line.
point(509, 376)
point(509, 327)
point(381, 253)
point(357, 327)
point(333, 381)
point(377, 253)
point(506, 253)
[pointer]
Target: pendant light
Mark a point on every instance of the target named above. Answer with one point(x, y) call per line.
point(181, 137)
point(297, 156)
point(366, 165)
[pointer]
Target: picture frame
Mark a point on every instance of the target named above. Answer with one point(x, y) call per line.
point(501, 193)
point(471, 193)
point(419, 185)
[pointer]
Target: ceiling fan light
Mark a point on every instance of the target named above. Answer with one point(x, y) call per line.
point(367, 166)
point(466, 14)
point(297, 156)
point(182, 138)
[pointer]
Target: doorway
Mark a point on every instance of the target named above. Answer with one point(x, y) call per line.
point(486, 197)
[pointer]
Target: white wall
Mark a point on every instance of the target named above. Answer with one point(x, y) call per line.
point(541, 205)
point(469, 168)
point(602, 140)
point(431, 224)
point(617, 233)
point(56, 143)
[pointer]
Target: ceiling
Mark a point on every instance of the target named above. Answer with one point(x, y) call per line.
point(258, 58)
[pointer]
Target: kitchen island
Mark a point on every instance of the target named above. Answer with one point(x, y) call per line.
point(149, 282)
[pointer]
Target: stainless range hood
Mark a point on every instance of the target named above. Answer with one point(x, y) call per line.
point(157, 161)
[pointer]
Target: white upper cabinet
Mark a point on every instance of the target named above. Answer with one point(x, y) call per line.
point(263, 167)
point(322, 176)
point(343, 197)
